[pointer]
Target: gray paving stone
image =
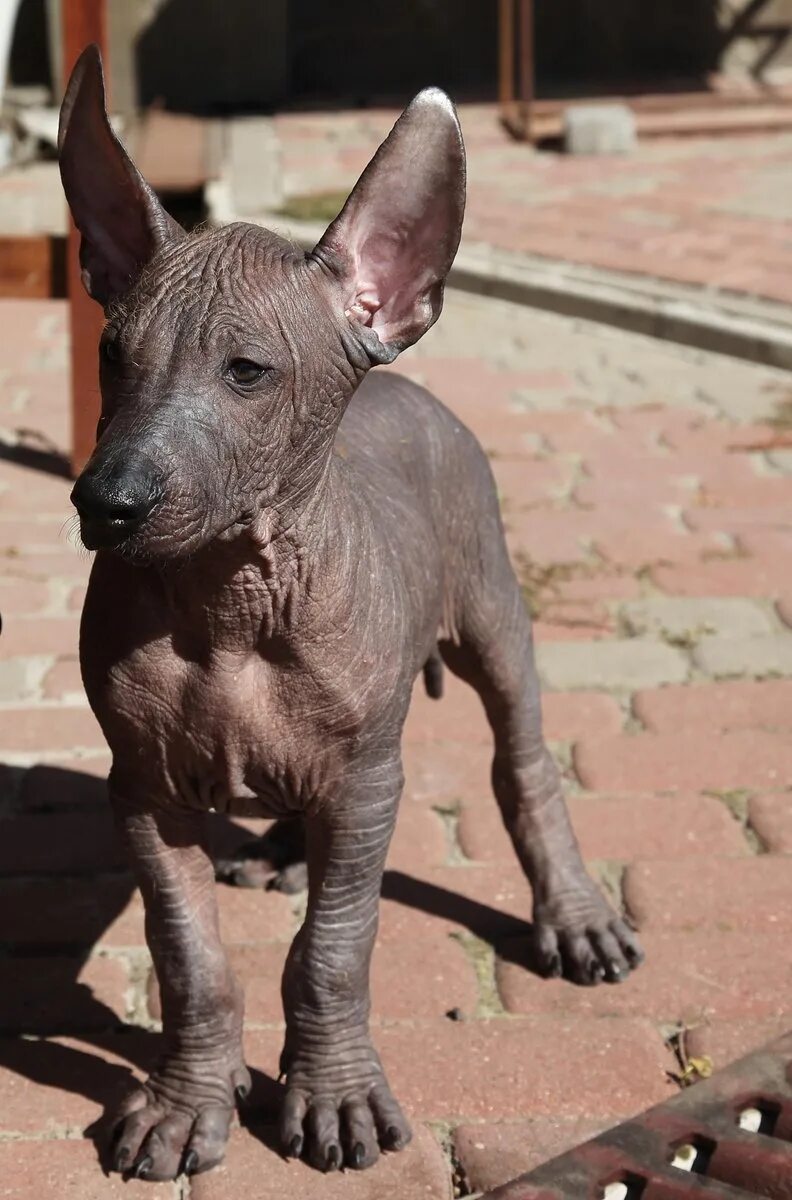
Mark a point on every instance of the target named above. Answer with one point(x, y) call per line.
point(621, 665)
point(693, 619)
point(758, 657)
point(20, 678)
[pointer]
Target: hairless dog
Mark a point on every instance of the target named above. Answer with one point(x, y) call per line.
point(284, 542)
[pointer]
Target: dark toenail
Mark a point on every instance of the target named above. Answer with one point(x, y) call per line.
point(241, 1091)
point(333, 1157)
point(295, 1146)
point(142, 1167)
point(190, 1162)
point(554, 966)
point(393, 1136)
point(122, 1157)
point(358, 1154)
point(455, 1014)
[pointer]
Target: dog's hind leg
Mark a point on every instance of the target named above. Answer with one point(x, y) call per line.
point(491, 647)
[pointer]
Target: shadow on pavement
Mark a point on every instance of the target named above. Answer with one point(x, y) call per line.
point(62, 886)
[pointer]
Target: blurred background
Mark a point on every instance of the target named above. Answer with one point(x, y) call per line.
point(209, 58)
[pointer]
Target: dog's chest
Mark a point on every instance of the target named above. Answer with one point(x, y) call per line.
point(246, 736)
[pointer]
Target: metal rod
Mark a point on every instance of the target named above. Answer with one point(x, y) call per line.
point(506, 54)
point(526, 81)
point(84, 21)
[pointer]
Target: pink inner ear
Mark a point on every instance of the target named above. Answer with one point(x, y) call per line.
point(389, 281)
point(395, 239)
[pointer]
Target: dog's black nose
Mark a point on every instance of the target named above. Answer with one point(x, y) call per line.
point(119, 499)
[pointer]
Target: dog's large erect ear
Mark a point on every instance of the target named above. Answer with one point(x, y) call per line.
point(395, 239)
point(121, 220)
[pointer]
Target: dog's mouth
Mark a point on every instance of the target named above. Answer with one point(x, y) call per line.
point(104, 535)
point(139, 542)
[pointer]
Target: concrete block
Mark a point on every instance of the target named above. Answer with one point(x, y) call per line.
point(757, 657)
point(252, 165)
point(599, 129)
point(621, 665)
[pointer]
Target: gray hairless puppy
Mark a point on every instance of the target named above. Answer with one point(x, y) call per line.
point(284, 543)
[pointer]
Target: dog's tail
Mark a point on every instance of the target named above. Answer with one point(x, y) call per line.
point(433, 676)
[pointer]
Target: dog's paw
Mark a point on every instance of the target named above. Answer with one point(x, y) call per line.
point(275, 861)
point(340, 1126)
point(173, 1125)
point(579, 936)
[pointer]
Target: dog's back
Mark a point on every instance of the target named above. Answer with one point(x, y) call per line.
point(411, 454)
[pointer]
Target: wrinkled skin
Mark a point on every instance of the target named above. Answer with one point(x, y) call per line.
point(282, 547)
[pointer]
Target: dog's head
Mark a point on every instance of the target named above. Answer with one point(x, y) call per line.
point(228, 355)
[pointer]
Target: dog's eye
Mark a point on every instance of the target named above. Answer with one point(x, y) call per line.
point(110, 351)
point(244, 372)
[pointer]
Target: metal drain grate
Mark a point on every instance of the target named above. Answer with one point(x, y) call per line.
point(727, 1138)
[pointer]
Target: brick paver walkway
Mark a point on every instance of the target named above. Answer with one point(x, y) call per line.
point(647, 493)
point(712, 212)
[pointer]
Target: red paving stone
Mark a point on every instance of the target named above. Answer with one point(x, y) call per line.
point(739, 576)
point(721, 894)
point(492, 1069)
point(492, 1155)
point(688, 760)
point(40, 635)
point(567, 717)
point(22, 597)
point(406, 983)
point(62, 994)
point(62, 842)
point(67, 783)
point(487, 899)
point(61, 730)
point(68, 1170)
point(722, 706)
point(726, 1041)
point(622, 828)
point(64, 912)
point(686, 976)
point(251, 1168)
point(49, 1086)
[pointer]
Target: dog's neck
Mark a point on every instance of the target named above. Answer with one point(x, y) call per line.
point(268, 587)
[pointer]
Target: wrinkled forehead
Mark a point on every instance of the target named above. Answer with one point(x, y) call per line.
point(234, 280)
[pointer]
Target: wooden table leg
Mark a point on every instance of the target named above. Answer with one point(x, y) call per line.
point(516, 65)
point(506, 54)
point(526, 84)
point(83, 22)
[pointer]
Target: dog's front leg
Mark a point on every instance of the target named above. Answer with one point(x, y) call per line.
point(178, 1120)
point(338, 1106)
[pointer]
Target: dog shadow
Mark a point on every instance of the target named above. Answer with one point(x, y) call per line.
point(57, 904)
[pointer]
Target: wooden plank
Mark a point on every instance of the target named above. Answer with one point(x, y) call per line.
point(675, 101)
point(682, 122)
point(84, 21)
point(32, 267)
